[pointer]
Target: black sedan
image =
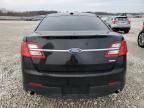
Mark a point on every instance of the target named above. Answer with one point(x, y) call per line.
point(73, 55)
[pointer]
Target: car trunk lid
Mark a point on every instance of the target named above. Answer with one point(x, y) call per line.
point(73, 52)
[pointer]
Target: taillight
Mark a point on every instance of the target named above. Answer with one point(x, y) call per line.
point(129, 22)
point(27, 50)
point(114, 21)
point(24, 50)
point(119, 49)
point(123, 48)
point(113, 83)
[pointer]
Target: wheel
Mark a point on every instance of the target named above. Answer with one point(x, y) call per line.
point(126, 31)
point(115, 30)
point(140, 40)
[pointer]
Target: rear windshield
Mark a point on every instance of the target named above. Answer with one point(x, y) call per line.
point(72, 23)
point(121, 18)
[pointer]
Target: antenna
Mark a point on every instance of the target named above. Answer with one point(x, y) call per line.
point(71, 13)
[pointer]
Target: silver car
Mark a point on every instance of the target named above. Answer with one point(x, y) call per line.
point(119, 23)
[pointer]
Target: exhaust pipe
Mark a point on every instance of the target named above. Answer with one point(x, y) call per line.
point(32, 92)
point(117, 91)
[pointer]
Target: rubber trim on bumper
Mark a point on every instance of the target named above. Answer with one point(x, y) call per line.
point(94, 91)
point(73, 75)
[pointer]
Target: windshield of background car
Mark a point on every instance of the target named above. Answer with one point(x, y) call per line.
point(122, 18)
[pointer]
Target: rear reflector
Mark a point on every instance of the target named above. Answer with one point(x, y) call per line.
point(35, 84)
point(26, 50)
point(113, 83)
point(120, 51)
point(114, 21)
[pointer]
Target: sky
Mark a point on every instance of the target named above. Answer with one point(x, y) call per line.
point(74, 5)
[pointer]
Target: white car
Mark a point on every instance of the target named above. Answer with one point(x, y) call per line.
point(119, 23)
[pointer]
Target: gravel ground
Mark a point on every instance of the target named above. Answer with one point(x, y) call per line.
point(13, 96)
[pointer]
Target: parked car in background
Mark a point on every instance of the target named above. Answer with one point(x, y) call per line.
point(73, 55)
point(140, 39)
point(119, 23)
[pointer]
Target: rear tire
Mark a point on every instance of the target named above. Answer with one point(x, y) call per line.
point(140, 40)
point(115, 30)
point(126, 31)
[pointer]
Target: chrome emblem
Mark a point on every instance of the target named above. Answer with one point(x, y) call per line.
point(75, 50)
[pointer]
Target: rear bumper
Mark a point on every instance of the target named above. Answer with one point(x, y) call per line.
point(90, 85)
point(121, 28)
point(54, 92)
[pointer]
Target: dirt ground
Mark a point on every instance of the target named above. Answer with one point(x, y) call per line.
point(13, 96)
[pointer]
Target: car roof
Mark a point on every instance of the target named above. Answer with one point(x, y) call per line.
point(71, 14)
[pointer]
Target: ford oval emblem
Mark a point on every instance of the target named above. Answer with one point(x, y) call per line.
point(75, 50)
